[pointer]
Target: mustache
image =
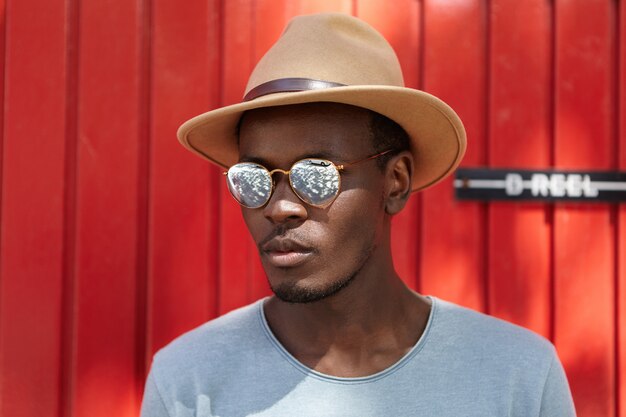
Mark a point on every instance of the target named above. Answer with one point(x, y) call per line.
point(284, 232)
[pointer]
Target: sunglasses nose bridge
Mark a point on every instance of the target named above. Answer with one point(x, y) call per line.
point(275, 184)
point(282, 171)
point(277, 170)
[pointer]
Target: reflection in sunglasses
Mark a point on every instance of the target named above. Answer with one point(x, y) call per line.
point(315, 181)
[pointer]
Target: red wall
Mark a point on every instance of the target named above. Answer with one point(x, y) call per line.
point(114, 240)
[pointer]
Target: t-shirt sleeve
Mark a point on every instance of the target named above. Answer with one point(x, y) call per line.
point(152, 404)
point(557, 400)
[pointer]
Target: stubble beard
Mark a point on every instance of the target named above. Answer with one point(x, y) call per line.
point(290, 292)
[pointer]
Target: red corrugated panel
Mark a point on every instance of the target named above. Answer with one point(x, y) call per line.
point(452, 260)
point(620, 324)
point(107, 217)
point(32, 239)
point(584, 236)
point(520, 129)
point(318, 6)
point(270, 16)
point(401, 27)
point(183, 212)
point(236, 248)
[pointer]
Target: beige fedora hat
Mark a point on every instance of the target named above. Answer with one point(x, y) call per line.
point(332, 57)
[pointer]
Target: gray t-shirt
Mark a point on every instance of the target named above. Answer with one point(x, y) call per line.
point(465, 364)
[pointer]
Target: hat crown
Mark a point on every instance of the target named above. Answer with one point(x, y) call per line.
point(330, 47)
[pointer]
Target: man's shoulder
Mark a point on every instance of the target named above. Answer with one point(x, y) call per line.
point(507, 366)
point(483, 334)
point(223, 336)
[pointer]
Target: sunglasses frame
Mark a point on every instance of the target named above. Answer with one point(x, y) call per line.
point(338, 167)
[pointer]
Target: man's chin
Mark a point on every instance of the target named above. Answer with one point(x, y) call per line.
point(297, 294)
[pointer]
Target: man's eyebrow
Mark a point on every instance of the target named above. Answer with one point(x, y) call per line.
point(322, 155)
point(246, 158)
point(317, 155)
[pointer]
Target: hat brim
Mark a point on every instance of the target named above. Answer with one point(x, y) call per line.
point(437, 135)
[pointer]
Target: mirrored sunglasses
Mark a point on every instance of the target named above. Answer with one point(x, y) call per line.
point(315, 181)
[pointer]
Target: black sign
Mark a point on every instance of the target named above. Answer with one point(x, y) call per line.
point(507, 184)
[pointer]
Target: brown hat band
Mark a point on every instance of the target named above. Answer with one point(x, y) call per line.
point(285, 85)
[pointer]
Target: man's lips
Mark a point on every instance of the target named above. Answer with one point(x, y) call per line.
point(284, 253)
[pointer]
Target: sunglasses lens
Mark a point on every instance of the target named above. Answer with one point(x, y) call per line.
point(250, 184)
point(316, 181)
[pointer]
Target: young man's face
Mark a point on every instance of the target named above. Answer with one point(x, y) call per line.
point(309, 253)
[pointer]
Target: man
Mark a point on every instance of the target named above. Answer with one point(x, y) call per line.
point(325, 148)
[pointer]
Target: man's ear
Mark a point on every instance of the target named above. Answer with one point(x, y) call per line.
point(398, 175)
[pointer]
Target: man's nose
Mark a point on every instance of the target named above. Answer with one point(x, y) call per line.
point(284, 205)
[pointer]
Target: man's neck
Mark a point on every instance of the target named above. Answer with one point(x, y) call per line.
point(361, 330)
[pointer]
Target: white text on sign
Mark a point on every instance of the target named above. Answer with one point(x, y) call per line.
point(551, 185)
